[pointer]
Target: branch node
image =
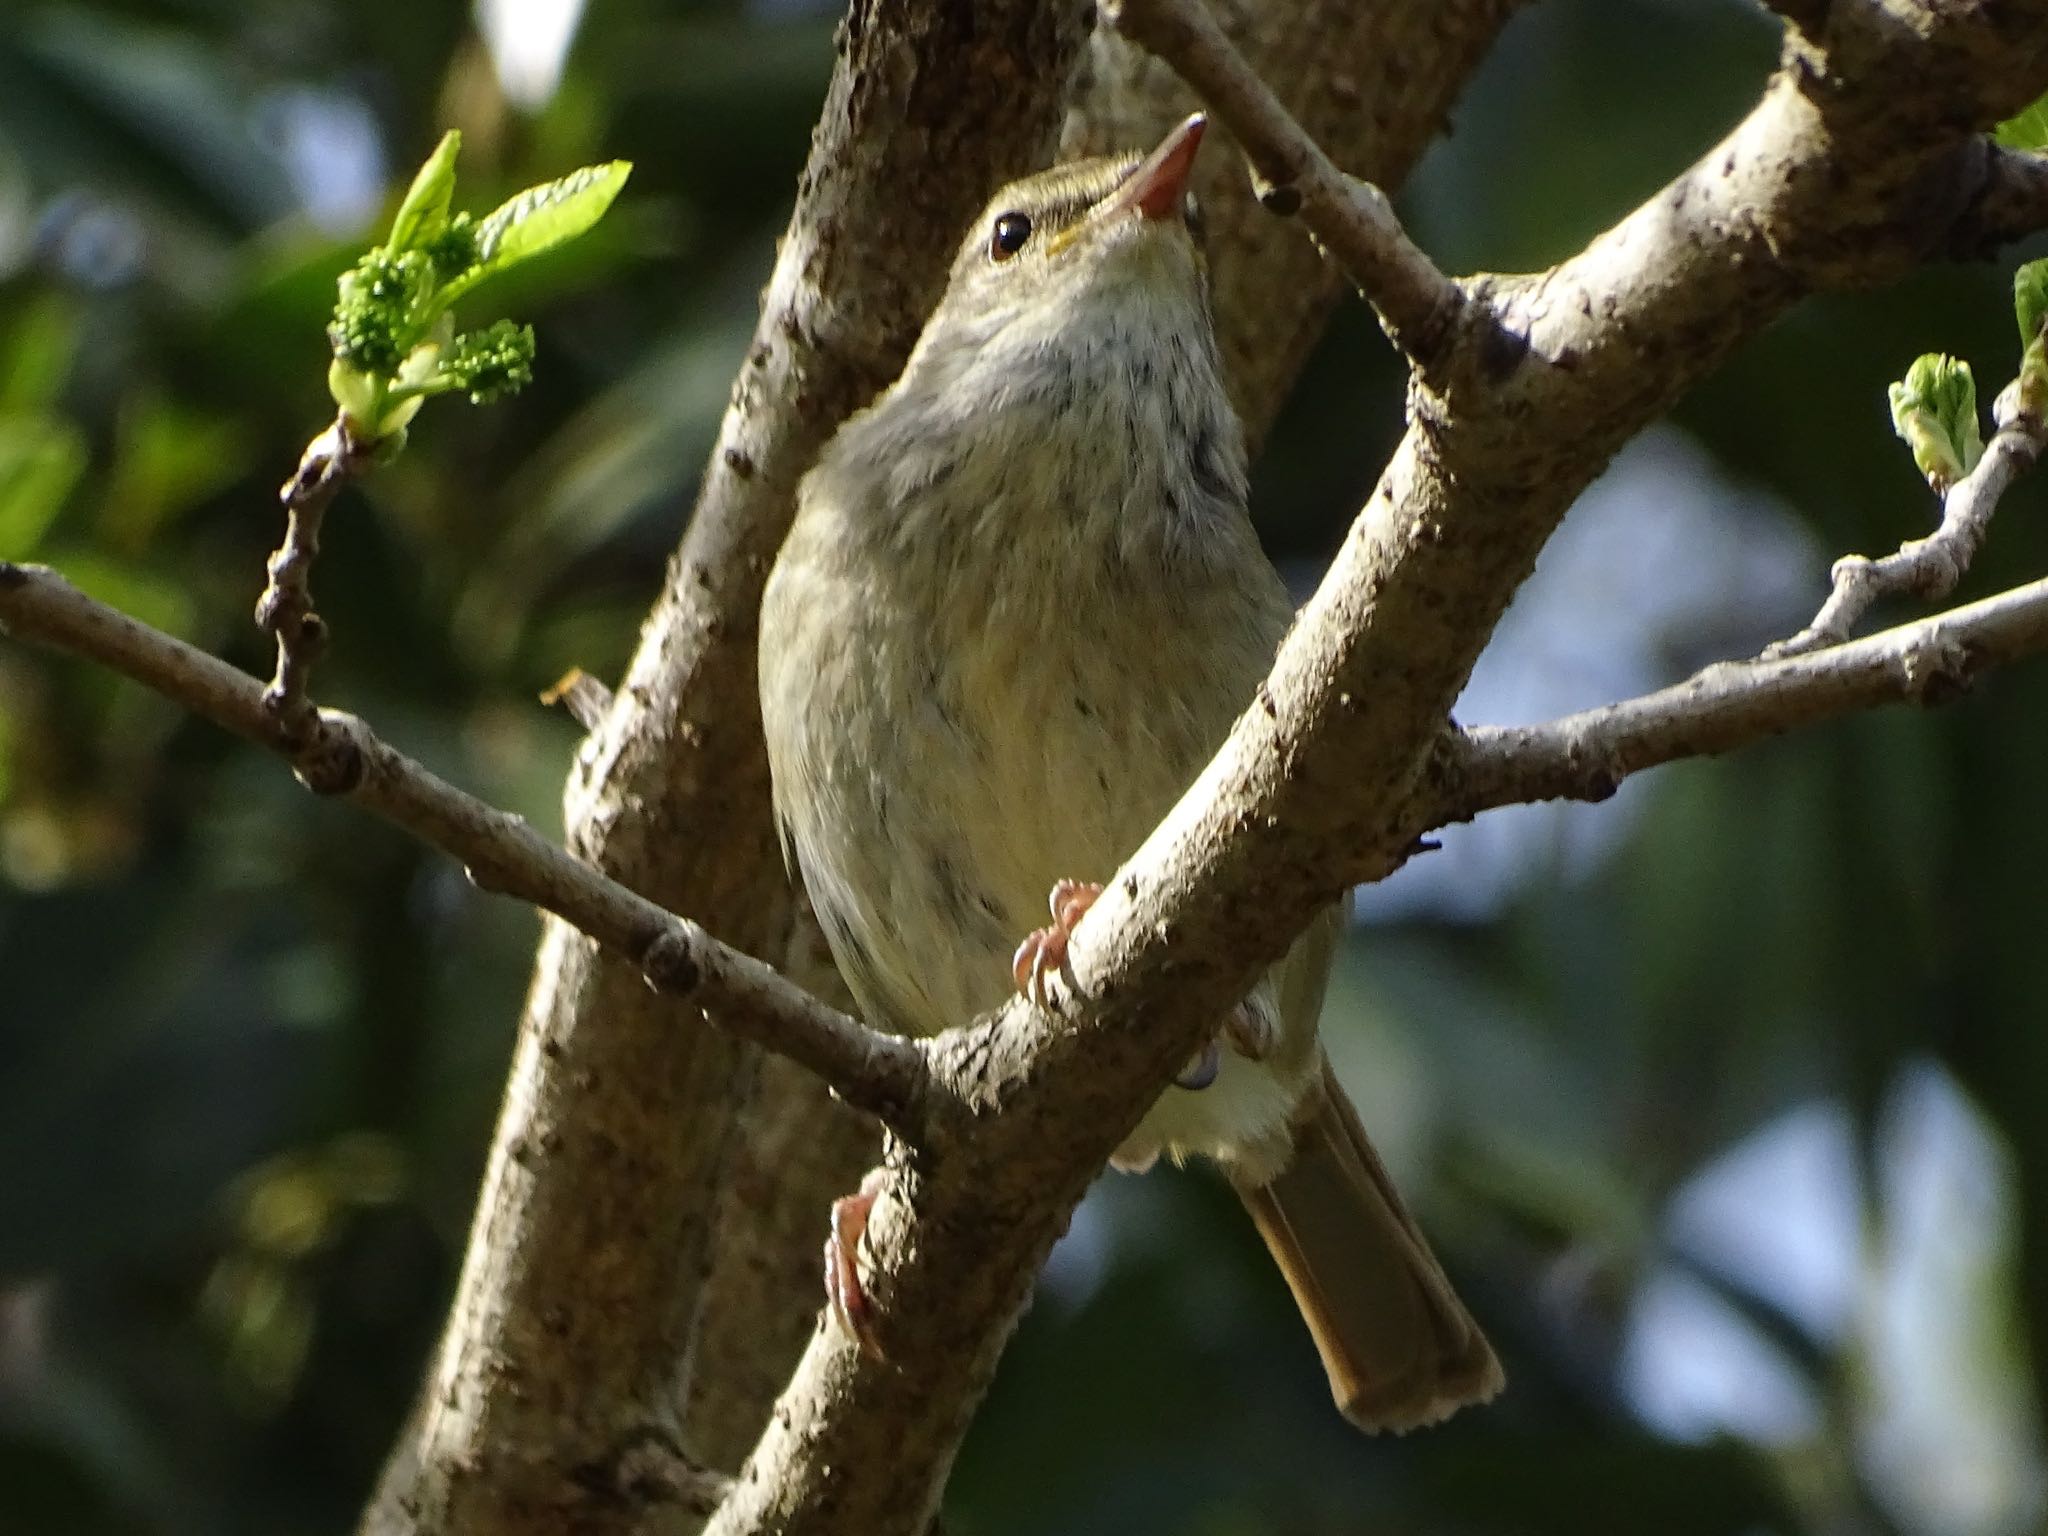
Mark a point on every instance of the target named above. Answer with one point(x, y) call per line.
point(327, 757)
point(587, 700)
point(285, 608)
point(1927, 567)
point(669, 963)
point(1600, 782)
point(1502, 348)
point(1936, 670)
point(1282, 198)
point(340, 755)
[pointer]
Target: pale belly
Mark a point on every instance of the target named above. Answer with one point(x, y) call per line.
point(957, 783)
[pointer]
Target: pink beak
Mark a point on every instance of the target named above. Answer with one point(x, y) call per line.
point(1155, 189)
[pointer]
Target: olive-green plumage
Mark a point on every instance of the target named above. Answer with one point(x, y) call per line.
point(1019, 609)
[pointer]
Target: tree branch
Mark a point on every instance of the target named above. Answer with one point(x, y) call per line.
point(1928, 567)
point(1417, 304)
point(1839, 176)
point(1586, 756)
point(338, 754)
point(2013, 205)
point(285, 610)
point(1842, 174)
point(1813, 676)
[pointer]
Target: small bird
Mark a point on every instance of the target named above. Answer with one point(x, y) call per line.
point(1021, 604)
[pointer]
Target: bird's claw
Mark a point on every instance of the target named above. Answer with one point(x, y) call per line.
point(1251, 1029)
point(844, 1294)
point(1043, 954)
point(1201, 1069)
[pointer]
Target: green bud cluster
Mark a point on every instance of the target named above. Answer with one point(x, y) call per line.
point(393, 337)
point(385, 309)
point(489, 363)
point(1934, 408)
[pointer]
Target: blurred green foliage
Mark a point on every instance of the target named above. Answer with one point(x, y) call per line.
point(250, 1044)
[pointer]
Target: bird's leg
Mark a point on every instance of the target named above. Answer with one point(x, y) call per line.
point(1251, 1029)
point(1201, 1069)
point(843, 1292)
point(1044, 950)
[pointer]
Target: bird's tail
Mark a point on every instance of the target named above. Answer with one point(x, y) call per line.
point(1400, 1348)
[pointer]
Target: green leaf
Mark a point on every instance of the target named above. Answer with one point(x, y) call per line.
point(424, 213)
point(41, 460)
point(392, 336)
point(2026, 129)
point(539, 219)
point(374, 405)
point(168, 459)
point(2030, 309)
point(2030, 300)
point(41, 347)
point(1934, 408)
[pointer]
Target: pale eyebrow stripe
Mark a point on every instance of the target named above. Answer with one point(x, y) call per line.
point(1067, 201)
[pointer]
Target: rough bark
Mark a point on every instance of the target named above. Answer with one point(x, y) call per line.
point(799, 1149)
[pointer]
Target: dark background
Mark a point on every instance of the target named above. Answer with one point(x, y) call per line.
point(1719, 1099)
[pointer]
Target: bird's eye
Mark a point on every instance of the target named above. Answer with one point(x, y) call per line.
point(1191, 212)
point(1009, 235)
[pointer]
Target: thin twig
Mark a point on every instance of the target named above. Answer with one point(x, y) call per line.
point(1928, 567)
point(586, 699)
point(285, 610)
point(2012, 205)
point(337, 754)
point(1351, 218)
point(1587, 755)
point(1809, 16)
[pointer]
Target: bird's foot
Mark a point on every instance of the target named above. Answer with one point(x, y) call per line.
point(1201, 1069)
point(1250, 1031)
point(843, 1291)
point(1043, 954)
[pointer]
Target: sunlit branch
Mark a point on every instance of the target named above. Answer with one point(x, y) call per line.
point(1587, 755)
point(1928, 567)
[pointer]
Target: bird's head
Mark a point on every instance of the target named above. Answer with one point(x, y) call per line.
point(1109, 243)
